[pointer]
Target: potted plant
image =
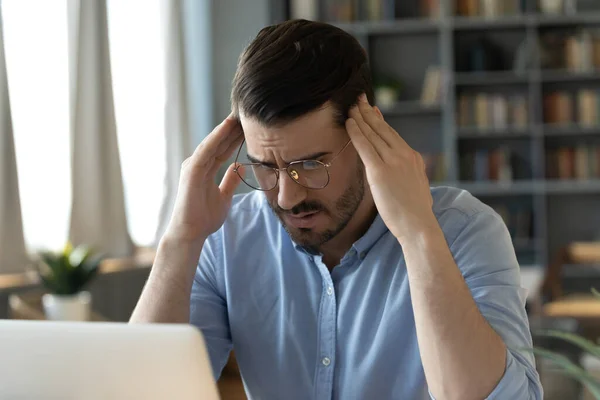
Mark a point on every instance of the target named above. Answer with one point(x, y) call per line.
point(568, 367)
point(387, 90)
point(65, 274)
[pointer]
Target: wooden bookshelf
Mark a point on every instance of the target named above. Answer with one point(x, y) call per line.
point(407, 41)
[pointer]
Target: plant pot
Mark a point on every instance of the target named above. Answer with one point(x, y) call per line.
point(76, 307)
point(386, 97)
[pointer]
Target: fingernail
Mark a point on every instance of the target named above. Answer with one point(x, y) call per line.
point(363, 98)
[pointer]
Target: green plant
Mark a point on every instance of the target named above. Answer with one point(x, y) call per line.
point(68, 271)
point(386, 81)
point(567, 366)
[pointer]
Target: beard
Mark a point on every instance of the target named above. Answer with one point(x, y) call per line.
point(340, 214)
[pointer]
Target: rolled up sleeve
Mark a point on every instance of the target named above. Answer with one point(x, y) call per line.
point(208, 307)
point(484, 252)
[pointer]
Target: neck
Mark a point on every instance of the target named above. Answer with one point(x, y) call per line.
point(334, 249)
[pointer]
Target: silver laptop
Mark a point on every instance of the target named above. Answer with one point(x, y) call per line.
point(98, 360)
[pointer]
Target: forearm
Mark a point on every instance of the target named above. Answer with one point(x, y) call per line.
point(166, 295)
point(463, 357)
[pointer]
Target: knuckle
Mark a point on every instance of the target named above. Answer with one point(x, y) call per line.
point(185, 163)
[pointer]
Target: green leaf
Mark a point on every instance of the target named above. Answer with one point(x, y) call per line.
point(571, 369)
point(79, 255)
point(67, 272)
point(583, 343)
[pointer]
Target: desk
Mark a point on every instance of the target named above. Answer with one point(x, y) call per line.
point(28, 305)
point(115, 290)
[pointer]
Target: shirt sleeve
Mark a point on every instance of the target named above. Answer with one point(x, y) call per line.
point(208, 307)
point(484, 252)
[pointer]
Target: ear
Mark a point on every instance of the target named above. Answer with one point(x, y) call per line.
point(378, 111)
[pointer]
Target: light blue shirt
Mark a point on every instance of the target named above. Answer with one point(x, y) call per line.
point(301, 332)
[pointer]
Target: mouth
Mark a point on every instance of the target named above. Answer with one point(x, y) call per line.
point(302, 220)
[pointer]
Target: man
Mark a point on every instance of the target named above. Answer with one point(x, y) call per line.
point(344, 275)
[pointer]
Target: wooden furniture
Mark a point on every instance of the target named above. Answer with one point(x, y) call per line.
point(583, 307)
point(115, 290)
point(28, 305)
point(582, 253)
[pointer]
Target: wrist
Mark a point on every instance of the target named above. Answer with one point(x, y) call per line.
point(176, 238)
point(422, 232)
point(179, 250)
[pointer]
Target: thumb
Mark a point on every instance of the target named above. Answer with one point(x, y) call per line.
point(230, 181)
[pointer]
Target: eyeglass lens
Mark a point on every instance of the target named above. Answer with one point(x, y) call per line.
point(310, 174)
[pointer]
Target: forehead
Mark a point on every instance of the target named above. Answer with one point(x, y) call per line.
point(312, 131)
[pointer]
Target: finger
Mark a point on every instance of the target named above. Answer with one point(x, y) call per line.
point(230, 182)
point(363, 146)
point(376, 141)
point(225, 155)
point(379, 125)
point(226, 132)
point(235, 139)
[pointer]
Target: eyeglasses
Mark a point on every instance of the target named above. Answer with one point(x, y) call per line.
point(311, 174)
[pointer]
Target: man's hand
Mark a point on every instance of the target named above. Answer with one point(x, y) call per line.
point(200, 209)
point(201, 205)
point(395, 172)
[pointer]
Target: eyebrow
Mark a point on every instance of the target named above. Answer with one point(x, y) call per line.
point(270, 164)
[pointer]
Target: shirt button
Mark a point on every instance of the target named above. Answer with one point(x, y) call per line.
point(326, 361)
point(329, 290)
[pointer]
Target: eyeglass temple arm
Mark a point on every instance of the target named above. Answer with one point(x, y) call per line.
point(238, 154)
point(339, 152)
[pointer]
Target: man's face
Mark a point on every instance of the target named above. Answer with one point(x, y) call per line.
point(310, 216)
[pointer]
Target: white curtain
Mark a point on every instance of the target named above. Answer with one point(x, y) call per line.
point(12, 245)
point(100, 131)
point(98, 215)
point(177, 134)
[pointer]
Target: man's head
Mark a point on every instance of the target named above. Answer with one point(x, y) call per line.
point(292, 91)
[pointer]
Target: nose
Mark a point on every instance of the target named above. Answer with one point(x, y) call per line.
point(290, 193)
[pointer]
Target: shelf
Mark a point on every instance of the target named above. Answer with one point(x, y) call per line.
point(482, 23)
point(424, 25)
point(526, 245)
point(567, 20)
point(499, 188)
point(558, 76)
point(570, 130)
point(410, 108)
point(526, 187)
point(571, 186)
point(490, 78)
point(399, 26)
point(508, 133)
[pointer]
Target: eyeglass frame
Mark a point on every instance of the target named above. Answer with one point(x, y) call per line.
point(286, 169)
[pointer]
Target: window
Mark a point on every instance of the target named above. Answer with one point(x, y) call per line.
point(138, 67)
point(36, 45)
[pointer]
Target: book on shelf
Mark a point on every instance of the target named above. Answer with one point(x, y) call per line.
point(492, 112)
point(558, 108)
point(432, 91)
point(488, 8)
point(346, 11)
point(579, 162)
point(572, 52)
point(434, 166)
point(304, 9)
point(563, 108)
point(518, 219)
point(487, 165)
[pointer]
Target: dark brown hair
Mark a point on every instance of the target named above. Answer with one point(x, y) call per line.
point(294, 67)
